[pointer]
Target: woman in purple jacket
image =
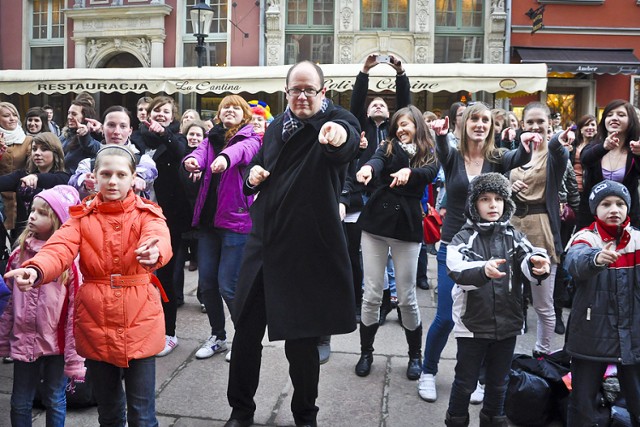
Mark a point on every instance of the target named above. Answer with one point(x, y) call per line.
point(221, 212)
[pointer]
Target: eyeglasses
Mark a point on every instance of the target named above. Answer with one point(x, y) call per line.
point(308, 92)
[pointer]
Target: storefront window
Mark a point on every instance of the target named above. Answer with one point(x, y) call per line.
point(43, 58)
point(309, 31)
point(215, 54)
point(385, 14)
point(216, 41)
point(47, 34)
point(314, 47)
point(458, 49)
point(459, 32)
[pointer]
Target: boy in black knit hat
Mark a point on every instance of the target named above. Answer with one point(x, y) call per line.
point(604, 325)
point(488, 260)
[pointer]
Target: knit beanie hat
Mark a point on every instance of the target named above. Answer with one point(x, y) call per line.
point(60, 198)
point(605, 189)
point(491, 182)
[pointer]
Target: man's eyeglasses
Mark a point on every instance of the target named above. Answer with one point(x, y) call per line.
point(308, 92)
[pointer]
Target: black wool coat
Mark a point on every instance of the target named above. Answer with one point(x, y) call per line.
point(171, 147)
point(297, 246)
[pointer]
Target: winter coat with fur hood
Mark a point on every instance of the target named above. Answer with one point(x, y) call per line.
point(484, 307)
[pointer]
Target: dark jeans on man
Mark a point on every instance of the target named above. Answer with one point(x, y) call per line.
point(244, 372)
point(586, 380)
point(497, 357)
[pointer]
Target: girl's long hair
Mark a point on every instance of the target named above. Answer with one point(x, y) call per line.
point(633, 130)
point(425, 152)
point(489, 150)
point(247, 114)
point(49, 142)
point(22, 239)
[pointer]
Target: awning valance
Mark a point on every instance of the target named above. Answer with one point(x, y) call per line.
point(491, 78)
point(581, 60)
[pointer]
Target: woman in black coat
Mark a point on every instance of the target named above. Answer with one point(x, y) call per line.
point(167, 146)
point(392, 221)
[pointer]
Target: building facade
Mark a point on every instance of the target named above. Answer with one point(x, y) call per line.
point(591, 48)
point(51, 34)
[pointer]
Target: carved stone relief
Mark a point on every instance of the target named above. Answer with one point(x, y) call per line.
point(140, 47)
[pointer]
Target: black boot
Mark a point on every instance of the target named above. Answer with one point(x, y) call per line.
point(367, 336)
point(385, 307)
point(456, 421)
point(560, 328)
point(496, 421)
point(414, 339)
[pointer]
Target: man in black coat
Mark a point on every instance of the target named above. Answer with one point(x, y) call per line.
point(295, 275)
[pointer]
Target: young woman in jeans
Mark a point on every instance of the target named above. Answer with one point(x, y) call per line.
point(221, 212)
point(476, 154)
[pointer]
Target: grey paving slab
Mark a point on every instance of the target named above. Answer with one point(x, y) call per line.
point(192, 393)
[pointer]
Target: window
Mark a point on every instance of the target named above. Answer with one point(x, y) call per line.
point(309, 31)
point(459, 33)
point(384, 15)
point(47, 34)
point(215, 44)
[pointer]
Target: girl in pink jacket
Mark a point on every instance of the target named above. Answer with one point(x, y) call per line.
point(36, 328)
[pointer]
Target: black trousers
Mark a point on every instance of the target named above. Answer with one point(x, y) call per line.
point(166, 275)
point(353, 233)
point(244, 372)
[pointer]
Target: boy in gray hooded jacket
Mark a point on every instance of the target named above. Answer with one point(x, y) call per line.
point(488, 260)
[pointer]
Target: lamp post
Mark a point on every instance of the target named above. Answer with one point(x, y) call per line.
point(201, 16)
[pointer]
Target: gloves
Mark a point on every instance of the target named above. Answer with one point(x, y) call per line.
point(73, 381)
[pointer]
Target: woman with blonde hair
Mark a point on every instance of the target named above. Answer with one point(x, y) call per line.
point(14, 150)
point(188, 116)
point(476, 154)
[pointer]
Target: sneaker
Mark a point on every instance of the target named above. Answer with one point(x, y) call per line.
point(7, 360)
point(169, 344)
point(478, 395)
point(427, 387)
point(228, 356)
point(210, 347)
point(203, 309)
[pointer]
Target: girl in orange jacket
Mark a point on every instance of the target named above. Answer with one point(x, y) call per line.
point(119, 324)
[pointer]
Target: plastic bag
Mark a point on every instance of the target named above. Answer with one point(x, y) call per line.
point(528, 401)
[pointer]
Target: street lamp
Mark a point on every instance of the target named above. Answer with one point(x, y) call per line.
point(201, 16)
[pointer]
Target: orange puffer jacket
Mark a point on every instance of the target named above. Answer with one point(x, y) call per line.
point(118, 310)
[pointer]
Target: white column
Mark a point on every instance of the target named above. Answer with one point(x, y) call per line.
point(80, 52)
point(157, 53)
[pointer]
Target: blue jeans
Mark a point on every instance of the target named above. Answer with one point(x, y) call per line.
point(219, 256)
point(472, 352)
point(390, 277)
point(136, 404)
point(442, 323)
point(26, 378)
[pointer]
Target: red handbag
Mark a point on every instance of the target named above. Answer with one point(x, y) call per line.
point(431, 223)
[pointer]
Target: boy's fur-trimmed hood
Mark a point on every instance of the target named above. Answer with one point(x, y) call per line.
point(491, 182)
